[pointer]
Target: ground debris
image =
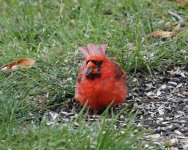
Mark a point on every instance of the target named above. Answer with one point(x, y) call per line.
point(163, 101)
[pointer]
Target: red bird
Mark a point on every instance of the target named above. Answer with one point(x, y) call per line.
point(100, 81)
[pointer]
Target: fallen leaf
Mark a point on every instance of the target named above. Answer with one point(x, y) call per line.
point(19, 64)
point(182, 3)
point(162, 34)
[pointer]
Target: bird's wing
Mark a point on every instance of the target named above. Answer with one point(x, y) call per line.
point(118, 71)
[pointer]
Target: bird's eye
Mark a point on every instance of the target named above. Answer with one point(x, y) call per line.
point(99, 63)
point(87, 62)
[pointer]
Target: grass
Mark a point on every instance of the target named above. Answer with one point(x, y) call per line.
point(39, 30)
point(98, 135)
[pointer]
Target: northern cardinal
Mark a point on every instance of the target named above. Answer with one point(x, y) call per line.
point(100, 81)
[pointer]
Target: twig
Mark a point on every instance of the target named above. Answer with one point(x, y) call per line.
point(175, 15)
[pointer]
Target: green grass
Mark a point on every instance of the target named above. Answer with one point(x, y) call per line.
point(84, 135)
point(39, 30)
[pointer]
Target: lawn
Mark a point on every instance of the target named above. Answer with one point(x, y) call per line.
point(50, 32)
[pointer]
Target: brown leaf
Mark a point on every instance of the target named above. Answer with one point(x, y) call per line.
point(182, 3)
point(19, 64)
point(162, 34)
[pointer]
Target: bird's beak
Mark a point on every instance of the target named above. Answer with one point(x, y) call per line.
point(90, 68)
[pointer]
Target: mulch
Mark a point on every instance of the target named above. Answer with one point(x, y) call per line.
point(162, 99)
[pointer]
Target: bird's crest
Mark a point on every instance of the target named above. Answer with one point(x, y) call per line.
point(92, 49)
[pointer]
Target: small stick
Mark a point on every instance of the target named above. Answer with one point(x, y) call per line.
point(175, 15)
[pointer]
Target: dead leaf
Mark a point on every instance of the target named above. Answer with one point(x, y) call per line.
point(19, 64)
point(182, 3)
point(166, 34)
point(162, 34)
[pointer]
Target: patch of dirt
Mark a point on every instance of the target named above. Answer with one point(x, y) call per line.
point(163, 103)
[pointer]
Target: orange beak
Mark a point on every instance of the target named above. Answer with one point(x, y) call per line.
point(90, 68)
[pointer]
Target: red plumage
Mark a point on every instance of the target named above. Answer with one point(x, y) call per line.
point(100, 81)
